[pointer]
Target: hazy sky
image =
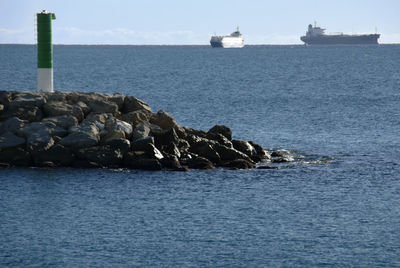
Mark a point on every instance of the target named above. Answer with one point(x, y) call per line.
point(193, 22)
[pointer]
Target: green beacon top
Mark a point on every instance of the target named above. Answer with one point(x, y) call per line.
point(44, 39)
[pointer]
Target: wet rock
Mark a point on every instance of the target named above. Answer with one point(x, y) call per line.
point(229, 154)
point(144, 164)
point(5, 98)
point(171, 149)
point(205, 149)
point(51, 109)
point(198, 163)
point(221, 129)
point(132, 104)
point(123, 145)
point(103, 155)
point(16, 156)
point(244, 147)
point(171, 162)
point(12, 125)
point(142, 144)
point(221, 139)
point(166, 137)
point(195, 132)
point(239, 164)
point(9, 140)
point(260, 151)
point(58, 154)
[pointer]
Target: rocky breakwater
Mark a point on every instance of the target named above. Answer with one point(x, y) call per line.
point(75, 129)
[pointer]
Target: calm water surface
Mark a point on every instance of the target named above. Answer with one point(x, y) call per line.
point(340, 103)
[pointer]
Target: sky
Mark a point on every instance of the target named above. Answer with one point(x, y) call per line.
point(180, 22)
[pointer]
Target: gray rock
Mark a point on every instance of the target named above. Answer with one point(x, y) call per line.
point(172, 163)
point(82, 136)
point(39, 142)
point(12, 125)
point(116, 124)
point(244, 147)
point(164, 120)
point(221, 129)
point(132, 104)
point(61, 108)
point(123, 145)
point(93, 118)
point(9, 140)
point(5, 98)
point(85, 109)
point(29, 113)
point(141, 131)
point(136, 117)
point(85, 97)
point(239, 164)
point(117, 98)
point(58, 154)
point(198, 163)
point(42, 128)
point(205, 149)
point(142, 163)
point(229, 154)
point(166, 137)
point(63, 121)
point(102, 106)
point(113, 135)
point(103, 155)
point(55, 96)
point(26, 99)
point(142, 144)
point(221, 139)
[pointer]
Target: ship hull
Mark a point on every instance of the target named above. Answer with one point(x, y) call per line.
point(227, 42)
point(368, 39)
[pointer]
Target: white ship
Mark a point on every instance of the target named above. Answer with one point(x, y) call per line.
point(234, 40)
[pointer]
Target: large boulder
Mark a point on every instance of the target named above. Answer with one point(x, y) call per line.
point(102, 106)
point(239, 164)
point(229, 154)
point(103, 155)
point(221, 139)
point(244, 147)
point(123, 145)
point(58, 154)
point(116, 98)
point(86, 97)
point(39, 142)
point(132, 104)
point(28, 113)
point(133, 162)
point(205, 149)
point(164, 120)
point(42, 128)
point(166, 137)
point(61, 108)
point(12, 125)
point(9, 140)
point(136, 117)
point(26, 99)
point(82, 136)
point(141, 131)
point(221, 129)
point(113, 124)
point(64, 121)
point(198, 162)
point(142, 144)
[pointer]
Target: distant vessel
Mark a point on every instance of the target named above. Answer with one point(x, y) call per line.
point(316, 36)
point(234, 40)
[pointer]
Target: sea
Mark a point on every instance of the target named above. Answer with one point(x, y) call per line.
point(338, 205)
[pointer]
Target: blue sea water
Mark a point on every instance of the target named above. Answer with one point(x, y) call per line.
point(336, 103)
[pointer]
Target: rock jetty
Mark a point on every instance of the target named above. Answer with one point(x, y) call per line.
point(77, 129)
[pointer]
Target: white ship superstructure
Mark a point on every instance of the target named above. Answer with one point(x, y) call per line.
point(234, 40)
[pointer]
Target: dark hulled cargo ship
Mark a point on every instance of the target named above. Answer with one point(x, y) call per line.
point(316, 36)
